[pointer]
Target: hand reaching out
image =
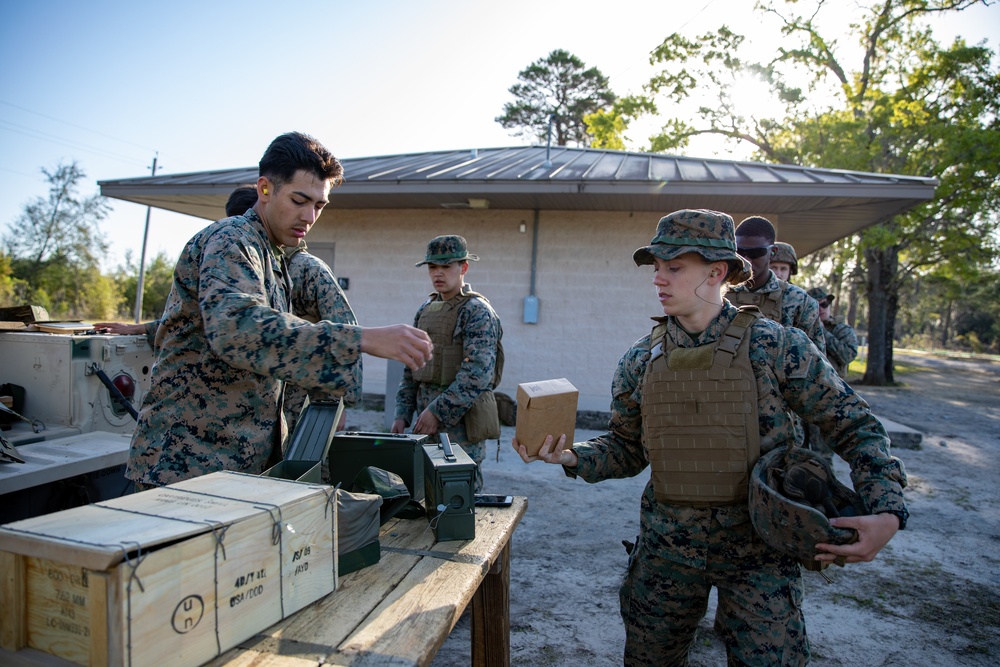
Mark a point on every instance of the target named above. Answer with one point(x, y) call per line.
point(550, 452)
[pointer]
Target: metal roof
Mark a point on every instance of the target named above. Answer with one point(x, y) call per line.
point(816, 206)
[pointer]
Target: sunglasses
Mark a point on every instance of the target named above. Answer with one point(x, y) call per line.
point(824, 304)
point(755, 253)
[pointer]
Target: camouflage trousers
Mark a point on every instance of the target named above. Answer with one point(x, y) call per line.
point(477, 452)
point(759, 608)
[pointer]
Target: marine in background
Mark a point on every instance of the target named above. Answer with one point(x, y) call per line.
point(784, 263)
point(841, 340)
point(453, 393)
point(778, 300)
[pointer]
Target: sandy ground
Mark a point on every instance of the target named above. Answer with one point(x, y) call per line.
point(931, 598)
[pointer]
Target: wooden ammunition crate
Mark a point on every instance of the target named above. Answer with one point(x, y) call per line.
point(171, 576)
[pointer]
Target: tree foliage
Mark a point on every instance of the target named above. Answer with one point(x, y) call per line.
point(895, 101)
point(158, 279)
point(559, 85)
point(11, 288)
point(55, 247)
point(943, 311)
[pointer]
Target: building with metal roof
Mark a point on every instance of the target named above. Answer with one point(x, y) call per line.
point(555, 228)
point(814, 207)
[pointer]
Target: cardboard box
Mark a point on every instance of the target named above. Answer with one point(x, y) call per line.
point(546, 407)
point(170, 576)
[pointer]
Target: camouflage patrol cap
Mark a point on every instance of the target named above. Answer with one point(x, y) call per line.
point(820, 294)
point(783, 252)
point(794, 527)
point(711, 234)
point(447, 249)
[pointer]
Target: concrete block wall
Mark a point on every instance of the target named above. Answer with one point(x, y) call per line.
point(594, 301)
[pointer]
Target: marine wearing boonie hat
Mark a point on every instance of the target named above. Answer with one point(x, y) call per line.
point(447, 249)
point(784, 252)
point(711, 234)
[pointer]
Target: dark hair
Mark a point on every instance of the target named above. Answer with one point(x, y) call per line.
point(240, 199)
point(294, 151)
point(755, 225)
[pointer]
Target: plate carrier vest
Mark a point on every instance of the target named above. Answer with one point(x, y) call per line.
point(700, 418)
point(769, 303)
point(438, 319)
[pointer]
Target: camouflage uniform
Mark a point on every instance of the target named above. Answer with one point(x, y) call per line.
point(149, 329)
point(841, 341)
point(316, 295)
point(682, 551)
point(798, 309)
point(478, 329)
point(841, 344)
point(841, 349)
point(227, 341)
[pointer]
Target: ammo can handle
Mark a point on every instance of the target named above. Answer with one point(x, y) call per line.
point(449, 455)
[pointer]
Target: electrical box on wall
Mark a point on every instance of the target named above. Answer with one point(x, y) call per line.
point(531, 309)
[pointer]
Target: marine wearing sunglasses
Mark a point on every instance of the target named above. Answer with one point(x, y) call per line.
point(757, 252)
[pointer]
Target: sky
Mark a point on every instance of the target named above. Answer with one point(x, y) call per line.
point(207, 85)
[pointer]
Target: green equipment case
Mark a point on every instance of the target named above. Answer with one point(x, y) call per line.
point(449, 489)
point(310, 442)
point(352, 451)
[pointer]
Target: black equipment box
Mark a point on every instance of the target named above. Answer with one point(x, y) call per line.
point(449, 489)
point(352, 451)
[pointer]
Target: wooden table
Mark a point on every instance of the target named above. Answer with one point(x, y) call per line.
point(400, 611)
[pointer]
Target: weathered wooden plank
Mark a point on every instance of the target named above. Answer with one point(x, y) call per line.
point(413, 622)
point(13, 630)
point(101, 634)
point(57, 536)
point(491, 616)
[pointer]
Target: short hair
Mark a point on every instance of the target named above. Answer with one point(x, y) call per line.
point(756, 225)
point(295, 151)
point(240, 199)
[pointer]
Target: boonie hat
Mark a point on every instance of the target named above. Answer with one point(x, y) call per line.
point(820, 294)
point(784, 252)
point(711, 234)
point(447, 249)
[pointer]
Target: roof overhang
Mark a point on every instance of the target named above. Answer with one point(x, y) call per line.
point(814, 207)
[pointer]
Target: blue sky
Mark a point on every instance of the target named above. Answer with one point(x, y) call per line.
point(208, 84)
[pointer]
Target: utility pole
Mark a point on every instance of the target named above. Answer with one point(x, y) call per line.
point(142, 258)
